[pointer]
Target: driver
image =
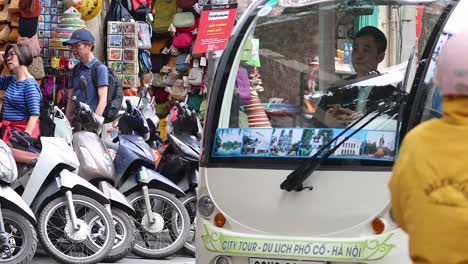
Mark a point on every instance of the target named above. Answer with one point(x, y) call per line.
point(348, 103)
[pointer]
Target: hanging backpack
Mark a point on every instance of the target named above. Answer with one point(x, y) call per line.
point(117, 12)
point(163, 13)
point(140, 9)
point(114, 92)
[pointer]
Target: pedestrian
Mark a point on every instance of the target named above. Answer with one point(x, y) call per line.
point(22, 99)
point(93, 94)
point(429, 185)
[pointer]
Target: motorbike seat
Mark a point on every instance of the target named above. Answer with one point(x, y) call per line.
point(25, 157)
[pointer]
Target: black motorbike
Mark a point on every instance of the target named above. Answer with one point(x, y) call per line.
point(180, 155)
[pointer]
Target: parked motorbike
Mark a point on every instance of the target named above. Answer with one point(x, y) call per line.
point(96, 166)
point(176, 158)
point(73, 225)
point(18, 239)
point(161, 219)
point(180, 159)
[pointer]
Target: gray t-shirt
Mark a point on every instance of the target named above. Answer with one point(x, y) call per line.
point(90, 96)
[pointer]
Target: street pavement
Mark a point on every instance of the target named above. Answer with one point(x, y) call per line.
point(128, 260)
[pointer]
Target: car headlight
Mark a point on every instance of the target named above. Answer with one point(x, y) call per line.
point(205, 206)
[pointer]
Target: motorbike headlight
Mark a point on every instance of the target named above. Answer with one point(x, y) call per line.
point(205, 206)
point(8, 171)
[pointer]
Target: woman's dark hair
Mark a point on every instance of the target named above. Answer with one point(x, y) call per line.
point(24, 53)
point(376, 34)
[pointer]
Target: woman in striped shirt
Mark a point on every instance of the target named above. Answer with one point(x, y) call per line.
point(21, 102)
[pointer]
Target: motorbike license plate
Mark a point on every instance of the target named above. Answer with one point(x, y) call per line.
point(281, 261)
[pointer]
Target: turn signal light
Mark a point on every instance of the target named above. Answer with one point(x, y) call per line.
point(219, 220)
point(378, 225)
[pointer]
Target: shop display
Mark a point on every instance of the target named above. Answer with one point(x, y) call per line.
point(71, 21)
point(122, 51)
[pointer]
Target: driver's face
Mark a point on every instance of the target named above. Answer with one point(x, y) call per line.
point(366, 56)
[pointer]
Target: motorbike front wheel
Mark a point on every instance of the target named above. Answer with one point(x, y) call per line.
point(22, 239)
point(157, 239)
point(125, 236)
point(190, 203)
point(67, 245)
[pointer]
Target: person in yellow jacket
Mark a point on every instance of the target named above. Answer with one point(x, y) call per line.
point(429, 185)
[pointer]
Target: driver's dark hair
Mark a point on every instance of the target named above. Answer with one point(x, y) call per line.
point(376, 34)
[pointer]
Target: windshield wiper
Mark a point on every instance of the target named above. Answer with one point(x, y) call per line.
point(294, 180)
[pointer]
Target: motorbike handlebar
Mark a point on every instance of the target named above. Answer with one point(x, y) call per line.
point(83, 106)
point(180, 109)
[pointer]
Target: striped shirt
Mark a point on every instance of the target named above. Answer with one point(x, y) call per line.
point(21, 100)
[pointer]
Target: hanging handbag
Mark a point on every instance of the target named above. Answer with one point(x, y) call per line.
point(37, 68)
point(158, 61)
point(163, 12)
point(144, 35)
point(195, 76)
point(32, 43)
point(183, 20)
point(171, 78)
point(182, 40)
point(181, 63)
point(158, 80)
point(4, 33)
point(178, 91)
point(13, 36)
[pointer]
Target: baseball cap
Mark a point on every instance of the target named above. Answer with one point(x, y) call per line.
point(452, 66)
point(80, 35)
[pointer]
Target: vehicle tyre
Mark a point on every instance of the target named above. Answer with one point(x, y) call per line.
point(70, 246)
point(156, 240)
point(125, 236)
point(190, 203)
point(23, 240)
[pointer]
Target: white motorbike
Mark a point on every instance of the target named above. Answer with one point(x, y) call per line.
point(71, 217)
point(18, 239)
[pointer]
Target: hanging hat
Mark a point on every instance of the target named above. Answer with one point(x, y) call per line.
point(27, 27)
point(30, 9)
point(70, 23)
point(452, 66)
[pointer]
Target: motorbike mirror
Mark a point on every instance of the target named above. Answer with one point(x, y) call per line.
point(129, 106)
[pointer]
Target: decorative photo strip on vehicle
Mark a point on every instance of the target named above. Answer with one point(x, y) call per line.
point(301, 143)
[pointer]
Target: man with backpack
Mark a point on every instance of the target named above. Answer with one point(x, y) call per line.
point(81, 45)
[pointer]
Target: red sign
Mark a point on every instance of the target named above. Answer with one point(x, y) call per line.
point(216, 22)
